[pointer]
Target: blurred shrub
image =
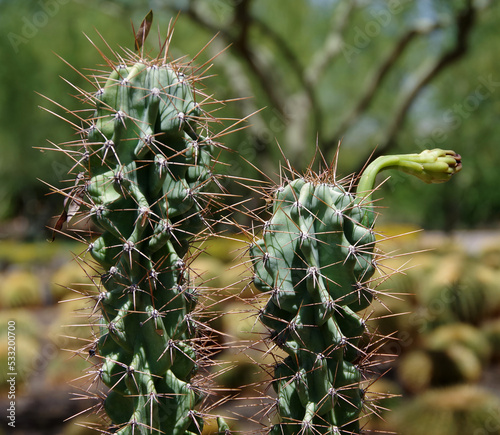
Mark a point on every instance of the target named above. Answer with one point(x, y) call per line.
point(20, 288)
point(27, 346)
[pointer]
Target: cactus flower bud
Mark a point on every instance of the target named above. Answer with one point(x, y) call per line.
point(431, 166)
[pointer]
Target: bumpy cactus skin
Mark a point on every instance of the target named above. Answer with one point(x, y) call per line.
point(315, 259)
point(146, 165)
point(315, 255)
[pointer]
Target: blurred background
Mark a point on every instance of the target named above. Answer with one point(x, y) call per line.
point(380, 77)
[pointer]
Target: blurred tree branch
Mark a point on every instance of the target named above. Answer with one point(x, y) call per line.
point(464, 23)
point(236, 34)
point(299, 108)
point(332, 47)
point(377, 79)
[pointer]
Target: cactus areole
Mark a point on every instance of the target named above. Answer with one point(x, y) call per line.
point(316, 259)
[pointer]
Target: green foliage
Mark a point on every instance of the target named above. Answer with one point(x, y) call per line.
point(309, 86)
point(33, 31)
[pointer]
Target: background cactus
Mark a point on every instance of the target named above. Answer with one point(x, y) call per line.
point(142, 172)
point(316, 260)
point(459, 409)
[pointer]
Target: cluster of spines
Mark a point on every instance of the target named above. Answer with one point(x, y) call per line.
point(145, 163)
point(315, 260)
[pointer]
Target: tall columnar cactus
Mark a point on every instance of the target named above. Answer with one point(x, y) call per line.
point(143, 169)
point(316, 260)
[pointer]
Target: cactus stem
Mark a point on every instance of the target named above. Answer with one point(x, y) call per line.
point(147, 159)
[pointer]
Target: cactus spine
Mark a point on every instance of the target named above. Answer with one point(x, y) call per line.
point(316, 260)
point(144, 166)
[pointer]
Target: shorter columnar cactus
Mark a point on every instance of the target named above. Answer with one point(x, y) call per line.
point(316, 260)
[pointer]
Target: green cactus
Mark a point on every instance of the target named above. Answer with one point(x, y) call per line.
point(142, 173)
point(454, 410)
point(316, 260)
point(144, 167)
